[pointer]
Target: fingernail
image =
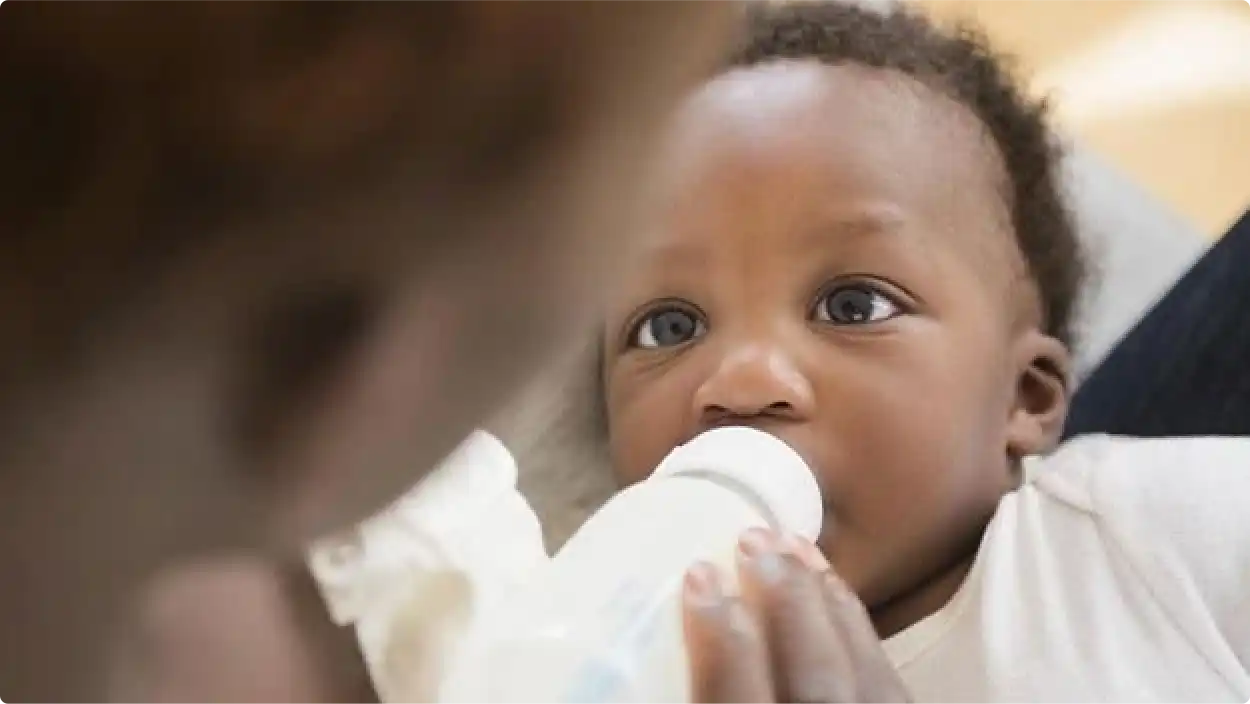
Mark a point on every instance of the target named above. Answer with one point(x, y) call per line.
point(756, 542)
point(702, 586)
point(760, 553)
point(808, 553)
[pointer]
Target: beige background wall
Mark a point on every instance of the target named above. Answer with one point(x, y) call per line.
point(1159, 87)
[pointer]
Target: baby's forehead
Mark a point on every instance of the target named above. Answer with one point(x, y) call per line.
point(807, 139)
point(787, 163)
point(862, 121)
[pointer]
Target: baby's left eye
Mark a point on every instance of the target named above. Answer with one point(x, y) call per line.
point(855, 304)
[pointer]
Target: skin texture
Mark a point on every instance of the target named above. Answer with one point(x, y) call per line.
point(834, 264)
point(248, 251)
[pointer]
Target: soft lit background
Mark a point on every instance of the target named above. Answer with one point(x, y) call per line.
point(1161, 88)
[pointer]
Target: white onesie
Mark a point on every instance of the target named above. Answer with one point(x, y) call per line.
point(1119, 571)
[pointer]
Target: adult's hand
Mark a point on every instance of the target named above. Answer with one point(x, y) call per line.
point(797, 633)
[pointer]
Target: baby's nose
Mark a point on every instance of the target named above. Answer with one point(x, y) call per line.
point(752, 382)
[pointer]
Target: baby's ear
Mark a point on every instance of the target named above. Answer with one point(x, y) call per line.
point(1041, 399)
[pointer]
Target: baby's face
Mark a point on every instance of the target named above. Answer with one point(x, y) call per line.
point(835, 264)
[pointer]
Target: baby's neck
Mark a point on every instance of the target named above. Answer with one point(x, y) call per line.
point(926, 599)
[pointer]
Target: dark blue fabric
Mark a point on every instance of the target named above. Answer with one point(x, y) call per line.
point(1185, 368)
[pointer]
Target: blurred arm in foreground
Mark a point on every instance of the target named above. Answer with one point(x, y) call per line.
point(263, 264)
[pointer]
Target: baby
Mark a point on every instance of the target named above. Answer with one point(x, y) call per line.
point(863, 249)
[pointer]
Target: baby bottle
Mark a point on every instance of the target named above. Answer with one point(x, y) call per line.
point(602, 621)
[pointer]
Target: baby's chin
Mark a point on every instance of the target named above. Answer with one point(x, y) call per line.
point(896, 593)
point(847, 558)
point(865, 565)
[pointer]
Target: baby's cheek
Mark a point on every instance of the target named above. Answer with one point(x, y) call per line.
point(911, 447)
point(631, 447)
point(638, 439)
point(644, 425)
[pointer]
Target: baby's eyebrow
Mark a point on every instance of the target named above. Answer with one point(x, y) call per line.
point(679, 255)
point(845, 225)
point(862, 221)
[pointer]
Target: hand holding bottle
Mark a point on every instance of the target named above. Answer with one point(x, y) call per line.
point(797, 633)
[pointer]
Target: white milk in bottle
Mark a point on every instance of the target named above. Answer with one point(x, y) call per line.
point(602, 621)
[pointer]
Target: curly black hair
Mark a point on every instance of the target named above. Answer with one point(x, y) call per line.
point(960, 64)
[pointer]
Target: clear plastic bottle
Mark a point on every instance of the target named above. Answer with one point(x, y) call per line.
point(602, 621)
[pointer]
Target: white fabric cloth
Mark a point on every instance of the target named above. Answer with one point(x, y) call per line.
point(413, 579)
point(1119, 571)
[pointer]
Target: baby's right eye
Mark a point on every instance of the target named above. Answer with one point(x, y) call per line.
point(669, 327)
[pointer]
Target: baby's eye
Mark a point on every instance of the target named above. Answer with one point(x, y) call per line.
point(667, 328)
point(855, 304)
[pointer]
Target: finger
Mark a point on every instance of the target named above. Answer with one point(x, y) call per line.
point(848, 614)
point(807, 552)
point(850, 618)
point(728, 656)
point(810, 662)
point(863, 646)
